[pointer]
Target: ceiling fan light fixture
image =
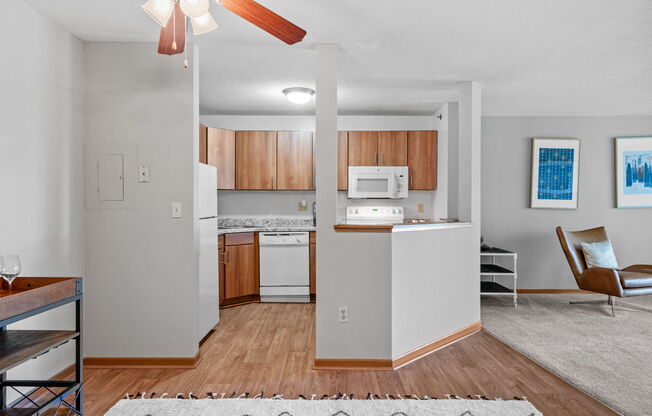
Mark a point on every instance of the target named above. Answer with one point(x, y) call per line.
point(159, 10)
point(203, 24)
point(194, 8)
point(298, 95)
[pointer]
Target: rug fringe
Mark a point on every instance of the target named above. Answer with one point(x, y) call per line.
point(314, 396)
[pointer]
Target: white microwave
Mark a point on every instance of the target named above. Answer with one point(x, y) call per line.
point(386, 182)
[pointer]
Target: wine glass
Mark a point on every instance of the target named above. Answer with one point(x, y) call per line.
point(10, 268)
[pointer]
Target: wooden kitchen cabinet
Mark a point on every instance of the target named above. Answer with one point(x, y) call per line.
point(313, 263)
point(203, 145)
point(221, 269)
point(342, 160)
point(241, 278)
point(221, 154)
point(392, 148)
point(255, 160)
point(363, 148)
point(422, 160)
point(294, 157)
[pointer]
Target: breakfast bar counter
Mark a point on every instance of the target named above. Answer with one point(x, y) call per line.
point(393, 228)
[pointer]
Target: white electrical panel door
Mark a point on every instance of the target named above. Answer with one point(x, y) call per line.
point(110, 177)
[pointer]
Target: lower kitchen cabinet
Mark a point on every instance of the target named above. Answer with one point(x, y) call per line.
point(240, 260)
point(313, 263)
point(221, 268)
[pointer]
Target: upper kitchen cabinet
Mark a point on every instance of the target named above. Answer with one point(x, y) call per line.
point(255, 166)
point(363, 148)
point(221, 154)
point(422, 159)
point(342, 160)
point(203, 145)
point(294, 160)
point(392, 148)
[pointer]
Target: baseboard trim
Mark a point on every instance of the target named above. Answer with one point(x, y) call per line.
point(353, 364)
point(389, 365)
point(141, 362)
point(553, 291)
point(436, 345)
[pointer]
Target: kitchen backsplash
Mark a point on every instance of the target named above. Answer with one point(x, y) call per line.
point(264, 221)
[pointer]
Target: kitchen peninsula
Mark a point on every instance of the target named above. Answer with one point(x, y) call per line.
point(413, 276)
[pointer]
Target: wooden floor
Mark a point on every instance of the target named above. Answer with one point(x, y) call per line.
point(270, 348)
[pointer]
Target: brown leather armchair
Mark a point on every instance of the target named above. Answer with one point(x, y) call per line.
point(631, 281)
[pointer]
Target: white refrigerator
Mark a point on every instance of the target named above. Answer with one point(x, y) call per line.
point(208, 266)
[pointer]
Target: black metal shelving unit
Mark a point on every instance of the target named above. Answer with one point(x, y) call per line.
point(33, 296)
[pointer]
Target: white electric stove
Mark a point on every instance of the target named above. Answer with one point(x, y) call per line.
point(374, 215)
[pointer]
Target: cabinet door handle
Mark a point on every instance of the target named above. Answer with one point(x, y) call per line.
point(410, 179)
point(375, 158)
point(273, 183)
point(227, 256)
point(381, 157)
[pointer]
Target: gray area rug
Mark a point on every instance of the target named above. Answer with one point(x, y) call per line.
point(270, 407)
point(608, 358)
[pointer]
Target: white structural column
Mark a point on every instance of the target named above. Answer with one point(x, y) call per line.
point(470, 152)
point(326, 164)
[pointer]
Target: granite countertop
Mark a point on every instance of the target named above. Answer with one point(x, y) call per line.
point(263, 229)
point(263, 223)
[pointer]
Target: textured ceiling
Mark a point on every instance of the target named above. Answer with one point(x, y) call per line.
point(553, 57)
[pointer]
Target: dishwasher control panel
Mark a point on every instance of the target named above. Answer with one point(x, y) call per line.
point(281, 238)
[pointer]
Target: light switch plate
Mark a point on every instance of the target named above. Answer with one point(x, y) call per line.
point(303, 205)
point(420, 208)
point(143, 174)
point(176, 210)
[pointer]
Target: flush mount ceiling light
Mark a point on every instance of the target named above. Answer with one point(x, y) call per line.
point(298, 95)
point(172, 15)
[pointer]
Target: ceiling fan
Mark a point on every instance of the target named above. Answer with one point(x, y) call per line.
point(172, 14)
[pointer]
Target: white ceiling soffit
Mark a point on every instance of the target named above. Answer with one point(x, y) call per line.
point(533, 57)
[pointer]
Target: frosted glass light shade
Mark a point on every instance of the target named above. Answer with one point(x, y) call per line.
point(159, 10)
point(194, 8)
point(203, 24)
point(298, 95)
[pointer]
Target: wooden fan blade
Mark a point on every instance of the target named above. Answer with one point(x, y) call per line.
point(173, 35)
point(266, 19)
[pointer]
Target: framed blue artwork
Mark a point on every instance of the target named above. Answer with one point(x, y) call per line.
point(555, 173)
point(634, 172)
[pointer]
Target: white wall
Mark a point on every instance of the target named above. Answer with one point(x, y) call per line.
point(42, 209)
point(434, 290)
point(142, 283)
point(507, 220)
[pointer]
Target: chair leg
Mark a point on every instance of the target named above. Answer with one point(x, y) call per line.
point(634, 306)
point(590, 302)
point(611, 300)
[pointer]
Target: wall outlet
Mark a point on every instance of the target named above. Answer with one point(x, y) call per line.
point(143, 174)
point(343, 314)
point(420, 208)
point(176, 210)
point(303, 205)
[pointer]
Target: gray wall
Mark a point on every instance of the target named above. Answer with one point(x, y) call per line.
point(507, 220)
point(142, 284)
point(42, 166)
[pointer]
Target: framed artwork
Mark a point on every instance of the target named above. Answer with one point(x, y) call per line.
point(634, 172)
point(555, 173)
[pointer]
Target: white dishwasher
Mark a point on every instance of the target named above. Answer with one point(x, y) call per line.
point(284, 267)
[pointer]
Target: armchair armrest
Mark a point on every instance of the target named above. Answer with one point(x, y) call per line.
point(601, 280)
